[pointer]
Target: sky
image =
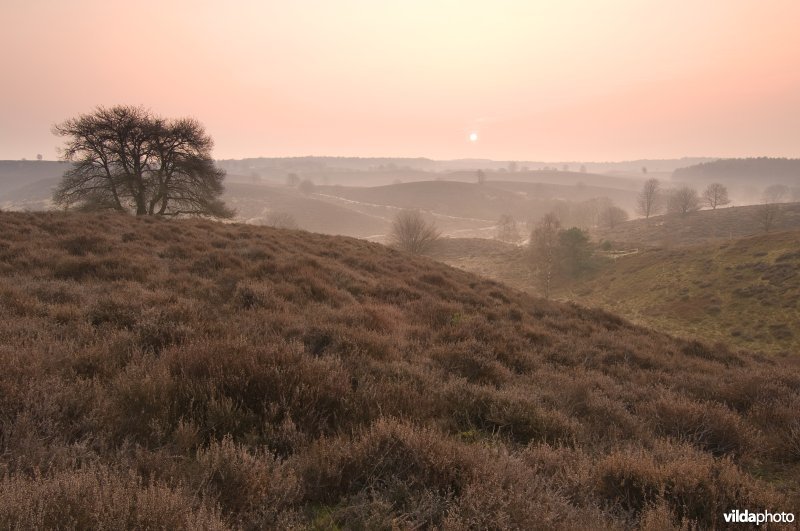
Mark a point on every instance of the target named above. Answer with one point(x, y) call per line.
point(560, 80)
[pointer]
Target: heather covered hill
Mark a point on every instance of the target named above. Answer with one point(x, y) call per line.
point(700, 227)
point(191, 374)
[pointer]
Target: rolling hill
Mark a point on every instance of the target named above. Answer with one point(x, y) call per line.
point(253, 202)
point(698, 227)
point(744, 292)
point(191, 374)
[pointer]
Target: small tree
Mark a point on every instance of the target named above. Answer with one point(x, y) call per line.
point(39, 156)
point(648, 203)
point(507, 230)
point(769, 212)
point(768, 215)
point(307, 186)
point(292, 180)
point(612, 216)
point(715, 195)
point(575, 251)
point(776, 193)
point(480, 176)
point(281, 220)
point(683, 201)
point(412, 233)
point(544, 251)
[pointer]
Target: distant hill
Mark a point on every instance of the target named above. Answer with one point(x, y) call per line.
point(462, 199)
point(563, 178)
point(190, 374)
point(580, 191)
point(28, 184)
point(761, 172)
point(254, 202)
point(16, 173)
point(699, 227)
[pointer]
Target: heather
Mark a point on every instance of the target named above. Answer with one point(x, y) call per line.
point(194, 374)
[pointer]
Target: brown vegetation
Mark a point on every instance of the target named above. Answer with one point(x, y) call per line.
point(191, 374)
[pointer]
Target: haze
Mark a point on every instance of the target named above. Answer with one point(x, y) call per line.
point(566, 80)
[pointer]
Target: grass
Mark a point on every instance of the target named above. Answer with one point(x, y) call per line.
point(190, 374)
point(705, 226)
point(745, 293)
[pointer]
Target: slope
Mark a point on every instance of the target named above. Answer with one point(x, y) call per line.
point(253, 202)
point(189, 374)
point(745, 292)
point(700, 227)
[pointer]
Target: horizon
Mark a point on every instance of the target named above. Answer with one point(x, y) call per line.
point(443, 80)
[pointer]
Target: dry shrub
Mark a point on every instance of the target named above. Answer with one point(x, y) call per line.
point(253, 488)
point(707, 425)
point(99, 498)
point(264, 372)
point(697, 487)
point(392, 461)
point(780, 422)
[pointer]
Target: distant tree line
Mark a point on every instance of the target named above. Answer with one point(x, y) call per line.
point(776, 170)
point(653, 200)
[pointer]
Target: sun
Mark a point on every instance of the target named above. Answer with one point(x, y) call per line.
point(473, 137)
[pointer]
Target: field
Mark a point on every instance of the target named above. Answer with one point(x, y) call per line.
point(191, 374)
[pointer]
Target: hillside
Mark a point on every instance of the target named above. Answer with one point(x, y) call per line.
point(762, 170)
point(190, 374)
point(699, 227)
point(450, 198)
point(253, 202)
point(745, 292)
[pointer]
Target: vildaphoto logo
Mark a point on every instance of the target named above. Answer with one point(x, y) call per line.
point(765, 517)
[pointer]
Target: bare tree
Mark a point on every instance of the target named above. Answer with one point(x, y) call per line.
point(544, 251)
point(307, 186)
point(281, 220)
point(480, 176)
point(611, 216)
point(715, 195)
point(683, 201)
point(648, 203)
point(412, 233)
point(39, 156)
point(776, 193)
point(127, 159)
point(507, 230)
point(768, 215)
point(770, 210)
point(292, 180)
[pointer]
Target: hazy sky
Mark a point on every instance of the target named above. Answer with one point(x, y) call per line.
point(538, 80)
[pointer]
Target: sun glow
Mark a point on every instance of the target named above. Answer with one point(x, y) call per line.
point(473, 137)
